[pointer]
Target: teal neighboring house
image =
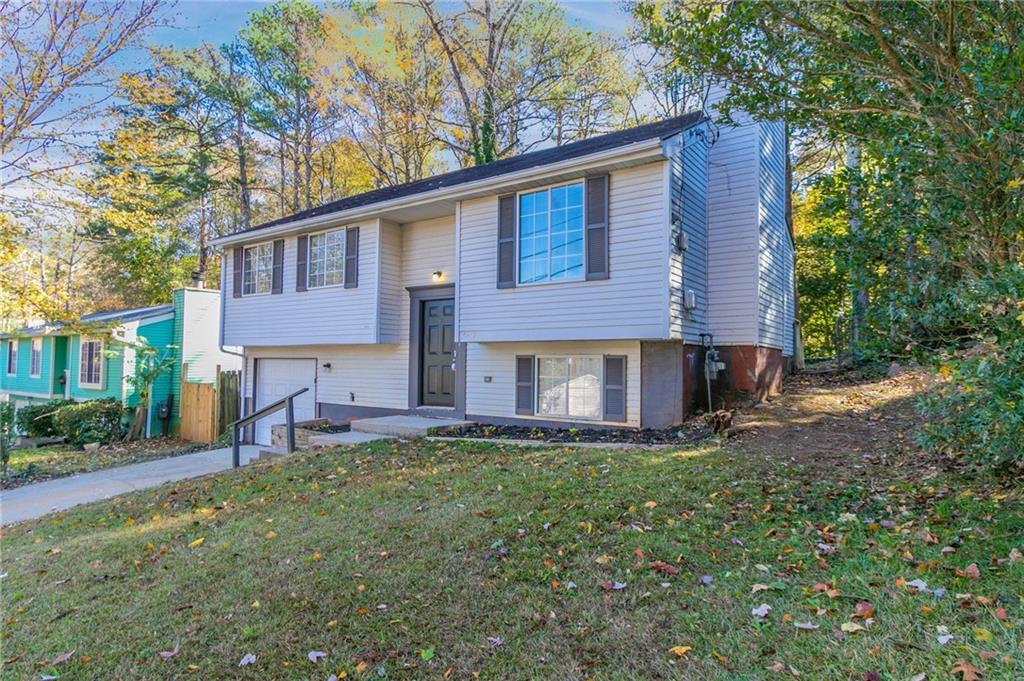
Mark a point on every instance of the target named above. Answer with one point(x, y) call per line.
point(48, 362)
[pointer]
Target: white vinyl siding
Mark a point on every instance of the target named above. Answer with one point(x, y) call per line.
point(569, 387)
point(258, 269)
point(318, 316)
point(497, 361)
point(733, 200)
point(35, 367)
point(631, 304)
point(90, 363)
point(550, 241)
point(377, 374)
point(688, 179)
point(326, 259)
point(12, 358)
point(775, 248)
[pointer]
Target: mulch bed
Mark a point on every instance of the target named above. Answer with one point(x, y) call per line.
point(693, 430)
point(329, 428)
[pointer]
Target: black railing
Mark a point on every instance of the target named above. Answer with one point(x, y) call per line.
point(286, 403)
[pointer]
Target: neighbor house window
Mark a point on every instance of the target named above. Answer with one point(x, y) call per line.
point(326, 259)
point(258, 269)
point(12, 357)
point(551, 234)
point(90, 363)
point(35, 366)
point(569, 387)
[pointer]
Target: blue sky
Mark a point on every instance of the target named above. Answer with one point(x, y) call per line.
point(217, 21)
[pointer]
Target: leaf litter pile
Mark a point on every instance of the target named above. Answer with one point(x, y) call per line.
point(749, 560)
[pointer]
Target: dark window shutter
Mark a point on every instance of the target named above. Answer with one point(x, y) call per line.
point(614, 388)
point(236, 271)
point(301, 257)
point(507, 241)
point(352, 257)
point(524, 384)
point(597, 227)
point(278, 272)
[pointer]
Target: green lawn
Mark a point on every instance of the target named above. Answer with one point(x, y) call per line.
point(465, 560)
point(45, 463)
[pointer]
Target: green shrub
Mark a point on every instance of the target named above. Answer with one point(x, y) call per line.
point(976, 409)
point(36, 420)
point(94, 421)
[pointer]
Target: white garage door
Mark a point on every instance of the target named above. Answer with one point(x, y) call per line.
point(277, 378)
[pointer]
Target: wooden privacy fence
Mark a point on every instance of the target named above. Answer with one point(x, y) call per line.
point(208, 408)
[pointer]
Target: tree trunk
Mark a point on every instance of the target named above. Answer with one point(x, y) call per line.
point(244, 197)
point(858, 316)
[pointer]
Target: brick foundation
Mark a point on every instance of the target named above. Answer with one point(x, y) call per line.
point(752, 370)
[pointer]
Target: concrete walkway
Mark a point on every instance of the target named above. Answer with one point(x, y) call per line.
point(35, 501)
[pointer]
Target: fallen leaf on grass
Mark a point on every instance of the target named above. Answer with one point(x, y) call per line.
point(198, 542)
point(983, 635)
point(972, 571)
point(613, 586)
point(63, 657)
point(315, 655)
point(247, 660)
point(603, 560)
point(851, 627)
point(680, 651)
point(495, 641)
point(805, 625)
point(664, 568)
point(966, 670)
point(651, 504)
point(761, 611)
point(168, 654)
point(863, 610)
point(758, 587)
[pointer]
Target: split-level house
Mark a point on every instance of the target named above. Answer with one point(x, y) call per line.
point(571, 285)
point(96, 357)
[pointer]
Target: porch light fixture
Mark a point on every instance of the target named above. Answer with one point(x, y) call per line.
point(438, 275)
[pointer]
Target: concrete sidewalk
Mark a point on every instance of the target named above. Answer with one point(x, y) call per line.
point(35, 501)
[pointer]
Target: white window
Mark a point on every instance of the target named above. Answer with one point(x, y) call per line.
point(12, 357)
point(326, 259)
point(35, 366)
point(258, 269)
point(90, 363)
point(569, 386)
point(551, 234)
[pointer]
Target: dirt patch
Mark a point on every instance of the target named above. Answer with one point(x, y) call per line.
point(845, 422)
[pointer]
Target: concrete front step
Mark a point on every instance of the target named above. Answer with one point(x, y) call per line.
point(341, 439)
point(406, 426)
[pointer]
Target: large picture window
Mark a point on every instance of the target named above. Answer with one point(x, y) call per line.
point(90, 363)
point(326, 259)
point(12, 357)
point(258, 269)
point(35, 365)
point(551, 234)
point(569, 386)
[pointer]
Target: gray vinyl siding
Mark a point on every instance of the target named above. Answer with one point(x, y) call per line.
point(631, 303)
point(775, 249)
point(377, 375)
point(688, 178)
point(733, 204)
point(497, 362)
point(392, 295)
point(325, 315)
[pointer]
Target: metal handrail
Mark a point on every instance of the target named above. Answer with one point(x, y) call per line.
point(287, 403)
